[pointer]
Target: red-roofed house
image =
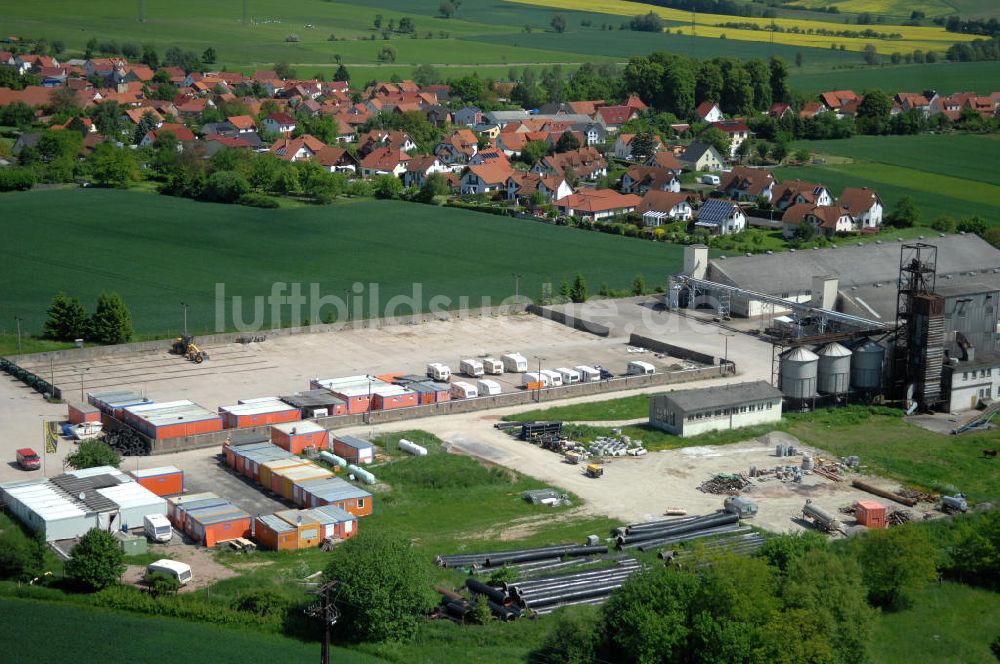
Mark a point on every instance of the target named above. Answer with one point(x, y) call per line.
point(633, 101)
point(243, 123)
point(485, 178)
point(748, 184)
point(709, 111)
point(864, 205)
point(779, 109)
point(280, 123)
point(674, 205)
point(623, 145)
point(182, 133)
point(597, 204)
point(134, 115)
point(336, 160)
point(827, 219)
point(736, 131)
point(794, 192)
point(420, 167)
point(522, 185)
point(835, 99)
point(613, 117)
point(302, 148)
point(385, 161)
point(640, 179)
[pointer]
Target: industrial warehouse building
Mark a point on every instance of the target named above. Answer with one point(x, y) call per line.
point(692, 412)
point(68, 505)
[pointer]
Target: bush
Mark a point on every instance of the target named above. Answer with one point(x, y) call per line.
point(944, 224)
point(262, 602)
point(21, 558)
point(571, 640)
point(895, 562)
point(161, 584)
point(16, 179)
point(292, 38)
point(226, 187)
point(974, 224)
point(97, 562)
point(257, 200)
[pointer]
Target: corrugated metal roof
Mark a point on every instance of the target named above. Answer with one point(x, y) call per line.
point(300, 427)
point(173, 412)
point(354, 441)
point(333, 512)
point(221, 518)
point(155, 472)
point(721, 396)
point(271, 453)
point(132, 495)
point(302, 473)
point(182, 501)
point(312, 398)
point(334, 489)
point(202, 504)
point(118, 398)
point(276, 524)
point(293, 516)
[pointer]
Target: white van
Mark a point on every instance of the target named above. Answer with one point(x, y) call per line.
point(488, 388)
point(711, 179)
point(179, 571)
point(492, 366)
point(532, 377)
point(588, 374)
point(157, 527)
point(438, 371)
point(569, 376)
point(473, 368)
point(640, 368)
point(514, 363)
point(555, 380)
point(463, 390)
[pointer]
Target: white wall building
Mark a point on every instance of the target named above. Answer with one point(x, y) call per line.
point(691, 412)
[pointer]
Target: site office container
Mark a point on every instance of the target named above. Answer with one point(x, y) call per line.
point(163, 481)
point(255, 415)
point(353, 448)
point(249, 458)
point(309, 531)
point(212, 529)
point(266, 475)
point(390, 401)
point(114, 402)
point(177, 506)
point(336, 523)
point(870, 514)
point(296, 437)
point(291, 476)
point(273, 533)
point(78, 413)
point(429, 392)
point(175, 419)
point(339, 493)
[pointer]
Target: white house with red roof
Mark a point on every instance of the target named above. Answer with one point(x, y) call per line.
point(709, 111)
point(280, 123)
point(597, 204)
point(613, 117)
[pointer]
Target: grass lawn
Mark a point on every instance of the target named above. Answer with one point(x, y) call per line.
point(947, 623)
point(626, 408)
point(92, 635)
point(158, 251)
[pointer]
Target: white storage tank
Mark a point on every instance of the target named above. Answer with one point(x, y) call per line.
point(472, 368)
point(555, 379)
point(640, 368)
point(514, 362)
point(569, 376)
point(438, 371)
point(834, 371)
point(492, 366)
point(462, 390)
point(488, 388)
point(797, 375)
point(412, 448)
point(866, 366)
point(588, 374)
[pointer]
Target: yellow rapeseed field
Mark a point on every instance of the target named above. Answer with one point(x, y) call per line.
point(901, 8)
point(707, 25)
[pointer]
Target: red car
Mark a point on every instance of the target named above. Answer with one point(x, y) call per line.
point(28, 459)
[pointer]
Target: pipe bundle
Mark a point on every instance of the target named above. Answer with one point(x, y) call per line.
point(501, 558)
point(638, 535)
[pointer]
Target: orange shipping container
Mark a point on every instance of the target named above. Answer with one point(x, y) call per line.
point(82, 412)
point(215, 529)
point(296, 437)
point(163, 481)
point(870, 514)
point(273, 533)
point(265, 472)
point(309, 531)
point(307, 473)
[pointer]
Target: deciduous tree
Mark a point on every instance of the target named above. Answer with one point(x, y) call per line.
point(97, 561)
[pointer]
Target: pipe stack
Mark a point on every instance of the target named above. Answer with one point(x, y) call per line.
point(738, 545)
point(501, 558)
point(658, 533)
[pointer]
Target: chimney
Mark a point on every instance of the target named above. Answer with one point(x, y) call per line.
point(695, 260)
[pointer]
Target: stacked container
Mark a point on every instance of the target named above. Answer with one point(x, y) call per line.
point(163, 481)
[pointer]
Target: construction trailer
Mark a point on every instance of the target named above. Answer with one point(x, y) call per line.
point(289, 478)
point(246, 459)
point(390, 397)
point(271, 532)
point(316, 403)
point(178, 506)
point(113, 403)
point(173, 419)
point(308, 530)
point(163, 481)
point(356, 391)
point(296, 437)
point(352, 448)
point(339, 493)
point(258, 412)
point(270, 472)
point(214, 525)
point(429, 392)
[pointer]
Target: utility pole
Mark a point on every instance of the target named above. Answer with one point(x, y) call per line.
point(725, 337)
point(18, 320)
point(538, 392)
point(185, 307)
point(326, 610)
point(517, 287)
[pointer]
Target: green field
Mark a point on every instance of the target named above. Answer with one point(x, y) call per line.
point(945, 77)
point(158, 251)
point(50, 632)
point(956, 175)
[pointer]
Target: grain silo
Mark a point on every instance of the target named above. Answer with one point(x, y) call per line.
point(797, 375)
point(834, 375)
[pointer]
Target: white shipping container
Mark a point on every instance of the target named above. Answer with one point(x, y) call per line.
point(555, 379)
point(438, 371)
point(569, 376)
point(514, 362)
point(492, 366)
point(588, 374)
point(463, 390)
point(473, 368)
point(488, 388)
